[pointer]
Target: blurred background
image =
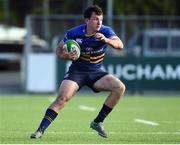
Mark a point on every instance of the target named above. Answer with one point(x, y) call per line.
point(31, 29)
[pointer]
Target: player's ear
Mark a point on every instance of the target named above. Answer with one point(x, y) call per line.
point(86, 20)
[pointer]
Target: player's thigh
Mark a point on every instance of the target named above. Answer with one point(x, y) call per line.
point(68, 88)
point(108, 83)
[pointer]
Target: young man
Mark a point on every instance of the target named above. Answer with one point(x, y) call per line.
point(93, 37)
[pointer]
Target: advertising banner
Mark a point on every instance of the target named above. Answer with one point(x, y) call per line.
point(142, 73)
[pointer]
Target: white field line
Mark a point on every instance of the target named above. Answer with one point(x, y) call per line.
point(146, 122)
point(86, 108)
point(81, 107)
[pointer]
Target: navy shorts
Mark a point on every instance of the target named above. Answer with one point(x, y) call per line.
point(85, 78)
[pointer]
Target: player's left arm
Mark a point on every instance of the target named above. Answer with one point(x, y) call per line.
point(113, 41)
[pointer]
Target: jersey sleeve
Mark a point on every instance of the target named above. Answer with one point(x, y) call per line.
point(68, 35)
point(109, 32)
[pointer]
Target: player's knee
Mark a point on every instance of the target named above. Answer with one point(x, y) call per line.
point(120, 89)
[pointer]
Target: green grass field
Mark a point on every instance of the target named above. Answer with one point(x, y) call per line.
point(21, 115)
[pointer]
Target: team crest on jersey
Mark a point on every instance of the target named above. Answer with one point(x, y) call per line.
point(79, 40)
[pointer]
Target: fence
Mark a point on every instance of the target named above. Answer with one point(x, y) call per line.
point(142, 31)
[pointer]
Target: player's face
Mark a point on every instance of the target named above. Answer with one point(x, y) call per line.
point(95, 22)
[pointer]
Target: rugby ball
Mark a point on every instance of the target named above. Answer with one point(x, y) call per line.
point(71, 45)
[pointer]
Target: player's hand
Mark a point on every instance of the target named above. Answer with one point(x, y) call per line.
point(101, 37)
point(69, 55)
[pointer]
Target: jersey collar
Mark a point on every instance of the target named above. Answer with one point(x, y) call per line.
point(85, 32)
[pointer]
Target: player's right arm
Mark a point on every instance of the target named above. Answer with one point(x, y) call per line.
point(62, 52)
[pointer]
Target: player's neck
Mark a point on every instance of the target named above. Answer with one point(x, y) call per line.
point(90, 32)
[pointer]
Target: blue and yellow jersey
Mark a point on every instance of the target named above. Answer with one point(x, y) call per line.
point(92, 50)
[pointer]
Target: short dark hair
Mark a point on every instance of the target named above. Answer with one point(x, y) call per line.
point(94, 8)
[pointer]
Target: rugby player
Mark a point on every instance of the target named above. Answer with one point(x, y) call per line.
point(93, 38)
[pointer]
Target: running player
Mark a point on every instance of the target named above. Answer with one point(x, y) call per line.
point(93, 37)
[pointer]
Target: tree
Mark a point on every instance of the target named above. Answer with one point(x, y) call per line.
point(18, 9)
point(146, 7)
